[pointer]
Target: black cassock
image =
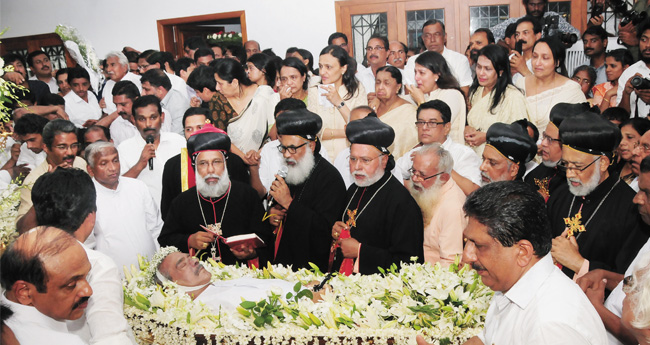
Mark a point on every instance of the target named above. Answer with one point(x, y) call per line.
point(389, 229)
point(171, 179)
point(614, 235)
point(307, 230)
point(547, 178)
point(243, 215)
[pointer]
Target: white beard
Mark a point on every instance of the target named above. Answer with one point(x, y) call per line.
point(427, 198)
point(585, 188)
point(213, 190)
point(300, 170)
point(549, 164)
point(370, 180)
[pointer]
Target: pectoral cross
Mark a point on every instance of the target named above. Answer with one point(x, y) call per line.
point(214, 229)
point(574, 224)
point(352, 222)
point(542, 185)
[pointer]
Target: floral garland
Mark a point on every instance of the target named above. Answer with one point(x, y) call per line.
point(225, 38)
point(7, 90)
point(446, 306)
point(9, 201)
point(69, 33)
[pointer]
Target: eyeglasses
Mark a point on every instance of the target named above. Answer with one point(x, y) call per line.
point(214, 163)
point(74, 146)
point(377, 48)
point(428, 124)
point(363, 160)
point(292, 149)
point(563, 165)
point(420, 176)
point(549, 139)
point(644, 147)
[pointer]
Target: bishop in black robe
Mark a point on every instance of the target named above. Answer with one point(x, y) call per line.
point(545, 180)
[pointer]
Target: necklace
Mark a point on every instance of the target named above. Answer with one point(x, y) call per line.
point(214, 228)
point(574, 222)
point(353, 214)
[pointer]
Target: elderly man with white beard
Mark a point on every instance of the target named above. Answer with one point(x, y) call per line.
point(309, 199)
point(592, 216)
point(216, 208)
point(444, 222)
point(381, 224)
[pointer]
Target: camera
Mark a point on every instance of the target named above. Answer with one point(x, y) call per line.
point(640, 83)
point(567, 38)
point(620, 7)
point(597, 9)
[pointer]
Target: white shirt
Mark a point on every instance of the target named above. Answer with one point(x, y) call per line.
point(107, 93)
point(54, 88)
point(178, 84)
point(122, 129)
point(176, 105)
point(29, 157)
point(543, 307)
point(228, 293)
point(458, 64)
point(80, 111)
point(130, 150)
point(271, 160)
point(466, 162)
point(128, 222)
point(641, 68)
point(517, 76)
point(32, 327)
point(367, 78)
point(103, 323)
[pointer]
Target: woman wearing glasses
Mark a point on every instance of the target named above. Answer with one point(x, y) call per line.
point(492, 97)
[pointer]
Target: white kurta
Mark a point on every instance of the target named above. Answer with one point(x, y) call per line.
point(641, 68)
point(176, 105)
point(30, 158)
point(128, 222)
point(80, 111)
point(122, 130)
point(179, 85)
point(248, 130)
point(131, 149)
point(543, 307)
point(271, 160)
point(107, 93)
point(103, 323)
point(227, 294)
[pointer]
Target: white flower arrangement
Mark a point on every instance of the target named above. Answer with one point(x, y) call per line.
point(68, 33)
point(225, 37)
point(7, 89)
point(9, 201)
point(446, 306)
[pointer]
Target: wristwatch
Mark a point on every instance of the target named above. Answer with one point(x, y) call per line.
point(340, 105)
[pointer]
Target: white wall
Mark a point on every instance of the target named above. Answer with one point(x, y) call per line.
point(111, 25)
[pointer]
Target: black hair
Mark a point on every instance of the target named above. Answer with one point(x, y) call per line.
point(526, 1)
point(300, 66)
point(238, 51)
point(156, 77)
point(288, 104)
point(557, 50)
point(265, 64)
point(645, 165)
point(488, 33)
point(348, 78)
point(64, 198)
point(535, 132)
point(126, 88)
point(616, 114)
point(511, 30)
point(11, 58)
point(60, 72)
point(640, 124)
point(269, 52)
point(201, 52)
point(92, 128)
point(621, 55)
point(291, 50)
point(596, 30)
point(590, 71)
point(335, 36)
point(77, 73)
point(307, 55)
point(383, 39)
point(501, 64)
point(197, 111)
point(394, 73)
point(229, 70)
point(183, 64)
point(168, 58)
point(512, 211)
point(202, 77)
point(537, 26)
point(30, 57)
point(437, 64)
point(157, 58)
point(131, 56)
point(145, 101)
point(642, 27)
point(52, 99)
point(194, 42)
point(30, 124)
point(146, 54)
point(436, 104)
point(434, 22)
point(56, 127)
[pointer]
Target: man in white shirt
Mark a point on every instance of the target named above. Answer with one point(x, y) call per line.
point(117, 67)
point(528, 31)
point(435, 38)
point(81, 105)
point(397, 54)
point(508, 244)
point(65, 199)
point(41, 67)
point(433, 124)
point(128, 220)
point(144, 156)
point(636, 100)
point(44, 281)
point(30, 130)
point(155, 82)
point(377, 55)
point(154, 59)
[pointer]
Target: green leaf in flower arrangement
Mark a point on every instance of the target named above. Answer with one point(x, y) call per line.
point(296, 287)
point(289, 295)
point(248, 304)
point(444, 341)
point(259, 321)
point(304, 293)
point(315, 268)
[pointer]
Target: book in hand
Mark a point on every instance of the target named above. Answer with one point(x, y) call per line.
point(251, 240)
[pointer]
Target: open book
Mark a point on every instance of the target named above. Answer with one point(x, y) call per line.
point(250, 239)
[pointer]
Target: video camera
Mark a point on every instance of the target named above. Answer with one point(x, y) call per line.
point(552, 23)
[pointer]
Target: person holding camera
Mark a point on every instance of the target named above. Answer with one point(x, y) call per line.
point(633, 92)
point(537, 9)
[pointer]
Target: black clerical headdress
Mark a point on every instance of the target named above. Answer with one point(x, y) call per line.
point(208, 138)
point(590, 133)
point(300, 122)
point(512, 141)
point(371, 131)
point(561, 111)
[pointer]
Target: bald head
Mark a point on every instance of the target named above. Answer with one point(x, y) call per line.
point(252, 47)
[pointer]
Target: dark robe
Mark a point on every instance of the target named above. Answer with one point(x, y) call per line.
point(243, 215)
point(171, 179)
point(545, 180)
point(307, 230)
point(390, 229)
point(613, 237)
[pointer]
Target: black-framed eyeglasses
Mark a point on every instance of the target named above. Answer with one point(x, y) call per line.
point(563, 165)
point(428, 124)
point(419, 175)
point(550, 140)
point(291, 149)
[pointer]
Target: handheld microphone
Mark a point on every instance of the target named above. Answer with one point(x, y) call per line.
point(282, 173)
point(150, 140)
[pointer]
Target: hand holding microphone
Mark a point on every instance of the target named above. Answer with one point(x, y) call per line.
point(150, 140)
point(282, 173)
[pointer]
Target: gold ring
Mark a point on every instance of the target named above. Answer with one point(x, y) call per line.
point(205, 245)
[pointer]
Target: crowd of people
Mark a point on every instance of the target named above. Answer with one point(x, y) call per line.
point(537, 178)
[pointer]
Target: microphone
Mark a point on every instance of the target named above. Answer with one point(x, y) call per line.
point(150, 140)
point(282, 173)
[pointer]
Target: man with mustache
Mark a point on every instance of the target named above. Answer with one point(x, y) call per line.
point(536, 9)
point(636, 101)
point(441, 202)
point(592, 216)
point(217, 207)
point(528, 31)
point(397, 54)
point(479, 39)
point(144, 156)
point(19, 76)
point(117, 69)
point(44, 281)
point(81, 104)
point(61, 146)
point(594, 40)
point(65, 199)
point(309, 199)
point(508, 148)
point(41, 67)
point(377, 56)
point(508, 243)
point(128, 220)
point(381, 224)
